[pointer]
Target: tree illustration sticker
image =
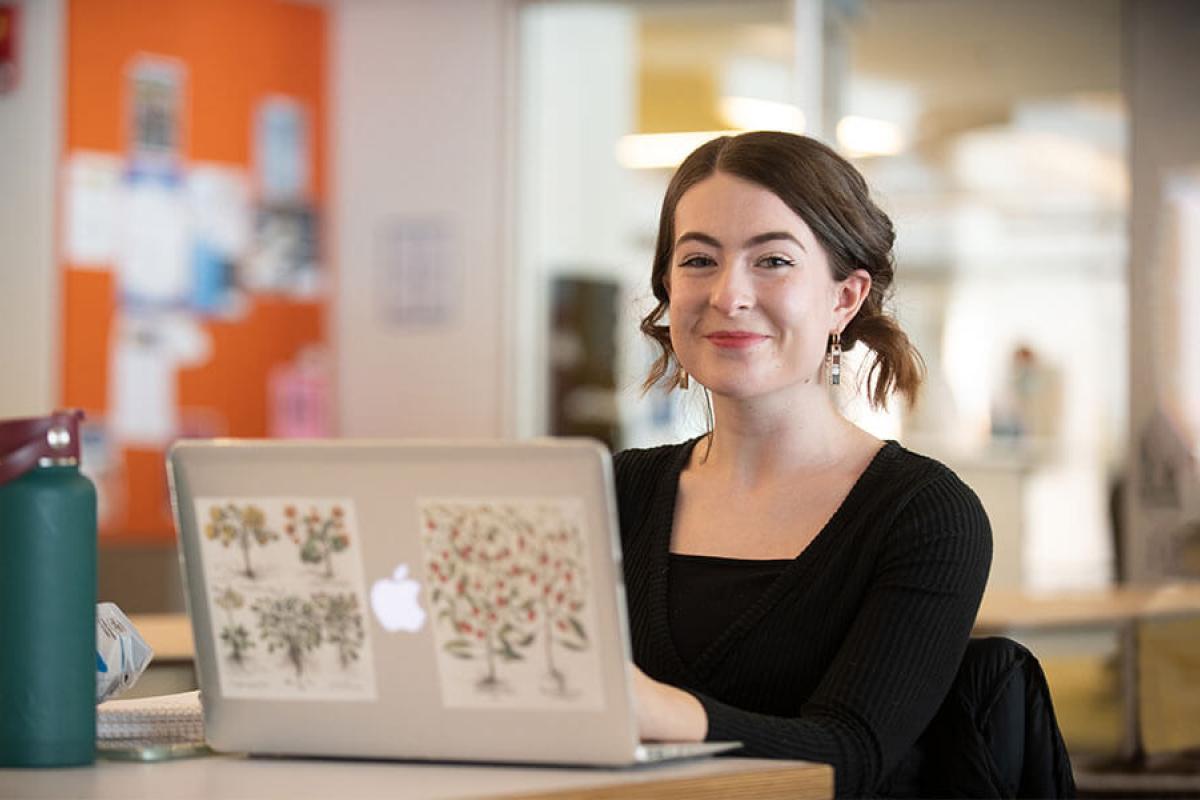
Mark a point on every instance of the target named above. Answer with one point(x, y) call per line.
point(289, 624)
point(244, 525)
point(234, 635)
point(507, 584)
point(318, 536)
point(287, 596)
point(342, 623)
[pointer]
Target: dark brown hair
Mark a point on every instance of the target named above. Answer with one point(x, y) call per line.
point(832, 198)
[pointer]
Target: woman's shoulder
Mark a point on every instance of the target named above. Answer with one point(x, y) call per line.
point(639, 474)
point(641, 467)
point(930, 490)
point(911, 471)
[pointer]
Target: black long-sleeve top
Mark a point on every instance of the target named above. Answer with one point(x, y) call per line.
point(846, 656)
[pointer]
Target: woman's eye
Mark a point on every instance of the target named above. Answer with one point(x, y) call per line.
point(775, 262)
point(697, 261)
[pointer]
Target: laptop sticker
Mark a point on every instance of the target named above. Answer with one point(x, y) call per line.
point(287, 595)
point(508, 587)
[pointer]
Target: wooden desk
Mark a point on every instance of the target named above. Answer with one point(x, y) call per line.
point(218, 777)
point(169, 635)
point(1009, 610)
point(1120, 608)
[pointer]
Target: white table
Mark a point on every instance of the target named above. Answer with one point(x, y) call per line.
point(219, 777)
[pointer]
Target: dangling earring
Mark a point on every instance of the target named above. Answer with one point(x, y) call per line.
point(681, 380)
point(835, 358)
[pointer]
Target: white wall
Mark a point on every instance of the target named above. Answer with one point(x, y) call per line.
point(422, 125)
point(30, 130)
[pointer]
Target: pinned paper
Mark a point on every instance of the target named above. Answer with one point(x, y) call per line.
point(147, 354)
point(218, 202)
point(156, 104)
point(281, 141)
point(415, 272)
point(154, 245)
point(93, 198)
point(283, 256)
point(299, 397)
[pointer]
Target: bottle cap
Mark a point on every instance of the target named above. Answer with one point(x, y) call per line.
point(38, 441)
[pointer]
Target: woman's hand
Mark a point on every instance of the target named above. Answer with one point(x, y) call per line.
point(665, 713)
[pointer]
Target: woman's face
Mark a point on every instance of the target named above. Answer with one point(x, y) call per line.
point(752, 297)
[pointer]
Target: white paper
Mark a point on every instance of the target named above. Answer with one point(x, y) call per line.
point(143, 373)
point(287, 597)
point(154, 245)
point(218, 200)
point(416, 279)
point(93, 197)
point(508, 586)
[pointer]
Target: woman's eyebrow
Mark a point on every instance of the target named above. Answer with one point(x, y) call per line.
point(771, 236)
point(753, 241)
point(696, 236)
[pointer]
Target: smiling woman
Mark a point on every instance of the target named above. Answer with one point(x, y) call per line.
point(795, 584)
point(802, 204)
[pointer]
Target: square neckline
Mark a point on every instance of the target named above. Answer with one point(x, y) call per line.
point(667, 493)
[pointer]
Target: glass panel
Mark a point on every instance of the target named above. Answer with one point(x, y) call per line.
point(994, 134)
point(613, 95)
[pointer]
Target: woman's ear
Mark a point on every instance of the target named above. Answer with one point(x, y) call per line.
point(851, 294)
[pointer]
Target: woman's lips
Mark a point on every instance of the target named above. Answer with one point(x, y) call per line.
point(735, 340)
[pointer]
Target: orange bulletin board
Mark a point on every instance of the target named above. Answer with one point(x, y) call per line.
point(234, 54)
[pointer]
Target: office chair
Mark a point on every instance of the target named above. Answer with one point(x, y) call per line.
point(995, 735)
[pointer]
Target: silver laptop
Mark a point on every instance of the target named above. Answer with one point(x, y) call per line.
point(449, 601)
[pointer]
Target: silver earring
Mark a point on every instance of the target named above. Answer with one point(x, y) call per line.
point(835, 358)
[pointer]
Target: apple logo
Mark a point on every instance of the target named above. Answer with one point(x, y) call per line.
point(394, 601)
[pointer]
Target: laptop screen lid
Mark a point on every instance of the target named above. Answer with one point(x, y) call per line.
point(407, 599)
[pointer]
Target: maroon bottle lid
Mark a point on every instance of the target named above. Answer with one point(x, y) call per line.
point(38, 441)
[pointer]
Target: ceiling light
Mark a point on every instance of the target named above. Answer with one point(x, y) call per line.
point(662, 150)
point(864, 136)
point(755, 114)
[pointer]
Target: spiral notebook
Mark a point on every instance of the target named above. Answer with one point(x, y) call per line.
point(150, 721)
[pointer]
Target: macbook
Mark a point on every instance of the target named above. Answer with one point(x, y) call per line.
point(414, 600)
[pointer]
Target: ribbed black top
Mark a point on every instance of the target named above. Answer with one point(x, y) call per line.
point(843, 658)
point(692, 583)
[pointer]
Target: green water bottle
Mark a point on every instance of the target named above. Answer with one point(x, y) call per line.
point(47, 595)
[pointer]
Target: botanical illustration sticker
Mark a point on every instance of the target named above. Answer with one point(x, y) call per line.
point(288, 598)
point(513, 620)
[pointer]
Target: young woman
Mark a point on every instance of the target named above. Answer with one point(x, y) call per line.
point(793, 582)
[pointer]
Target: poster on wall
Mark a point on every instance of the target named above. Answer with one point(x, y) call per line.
point(283, 253)
point(147, 352)
point(93, 196)
point(415, 275)
point(281, 151)
point(219, 214)
point(156, 107)
point(165, 135)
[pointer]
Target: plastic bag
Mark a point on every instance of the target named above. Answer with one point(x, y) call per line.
point(121, 653)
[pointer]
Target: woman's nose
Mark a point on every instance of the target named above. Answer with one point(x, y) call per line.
point(732, 291)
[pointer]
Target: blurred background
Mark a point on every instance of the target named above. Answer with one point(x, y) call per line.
point(404, 218)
